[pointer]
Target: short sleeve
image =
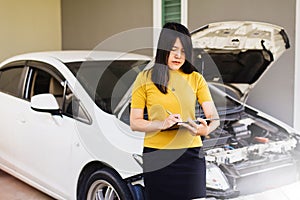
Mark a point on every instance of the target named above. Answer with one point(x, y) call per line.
point(139, 92)
point(203, 93)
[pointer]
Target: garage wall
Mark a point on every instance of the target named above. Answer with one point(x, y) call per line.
point(31, 25)
point(297, 70)
point(88, 23)
point(274, 94)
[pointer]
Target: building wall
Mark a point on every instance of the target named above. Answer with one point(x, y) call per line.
point(297, 70)
point(35, 25)
point(88, 23)
point(274, 94)
point(31, 25)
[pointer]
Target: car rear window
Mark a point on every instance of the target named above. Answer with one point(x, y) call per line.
point(10, 80)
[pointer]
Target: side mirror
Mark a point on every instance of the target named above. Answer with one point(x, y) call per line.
point(45, 103)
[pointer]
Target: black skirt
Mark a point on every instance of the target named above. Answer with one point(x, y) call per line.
point(174, 174)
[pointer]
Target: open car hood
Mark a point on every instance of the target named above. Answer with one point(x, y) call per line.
point(235, 54)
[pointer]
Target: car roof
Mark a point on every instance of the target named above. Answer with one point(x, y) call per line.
point(77, 56)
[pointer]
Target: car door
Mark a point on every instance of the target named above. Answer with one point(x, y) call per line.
point(46, 139)
point(11, 84)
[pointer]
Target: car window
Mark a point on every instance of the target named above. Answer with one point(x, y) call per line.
point(10, 81)
point(73, 107)
point(43, 82)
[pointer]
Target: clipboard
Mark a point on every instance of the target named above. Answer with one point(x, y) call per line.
point(179, 124)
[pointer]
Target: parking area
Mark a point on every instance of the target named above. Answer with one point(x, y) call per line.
point(13, 189)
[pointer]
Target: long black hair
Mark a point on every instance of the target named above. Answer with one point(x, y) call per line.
point(168, 35)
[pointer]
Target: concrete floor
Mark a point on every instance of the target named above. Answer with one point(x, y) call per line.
point(287, 192)
point(13, 189)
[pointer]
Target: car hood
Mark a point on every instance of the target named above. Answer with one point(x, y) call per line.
point(236, 54)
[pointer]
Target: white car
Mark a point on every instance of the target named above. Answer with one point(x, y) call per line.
point(53, 134)
point(66, 118)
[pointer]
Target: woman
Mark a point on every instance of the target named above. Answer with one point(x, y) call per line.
point(173, 163)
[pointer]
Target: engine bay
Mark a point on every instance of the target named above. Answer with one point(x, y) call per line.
point(249, 138)
point(245, 149)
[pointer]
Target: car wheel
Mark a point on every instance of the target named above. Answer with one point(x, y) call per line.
point(105, 184)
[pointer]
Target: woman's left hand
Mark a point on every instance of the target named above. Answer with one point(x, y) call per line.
point(195, 129)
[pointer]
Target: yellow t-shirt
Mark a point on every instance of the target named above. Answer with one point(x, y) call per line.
point(183, 91)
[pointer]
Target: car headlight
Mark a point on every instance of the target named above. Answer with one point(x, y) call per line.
point(215, 178)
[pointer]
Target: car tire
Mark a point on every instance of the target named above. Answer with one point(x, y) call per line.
point(104, 184)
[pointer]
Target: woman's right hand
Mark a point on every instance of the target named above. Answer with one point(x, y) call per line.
point(170, 121)
point(138, 123)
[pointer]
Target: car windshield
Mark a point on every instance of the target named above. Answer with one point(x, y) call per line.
point(106, 82)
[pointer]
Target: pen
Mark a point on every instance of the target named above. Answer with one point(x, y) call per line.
point(169, 112)
point(208, 119)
